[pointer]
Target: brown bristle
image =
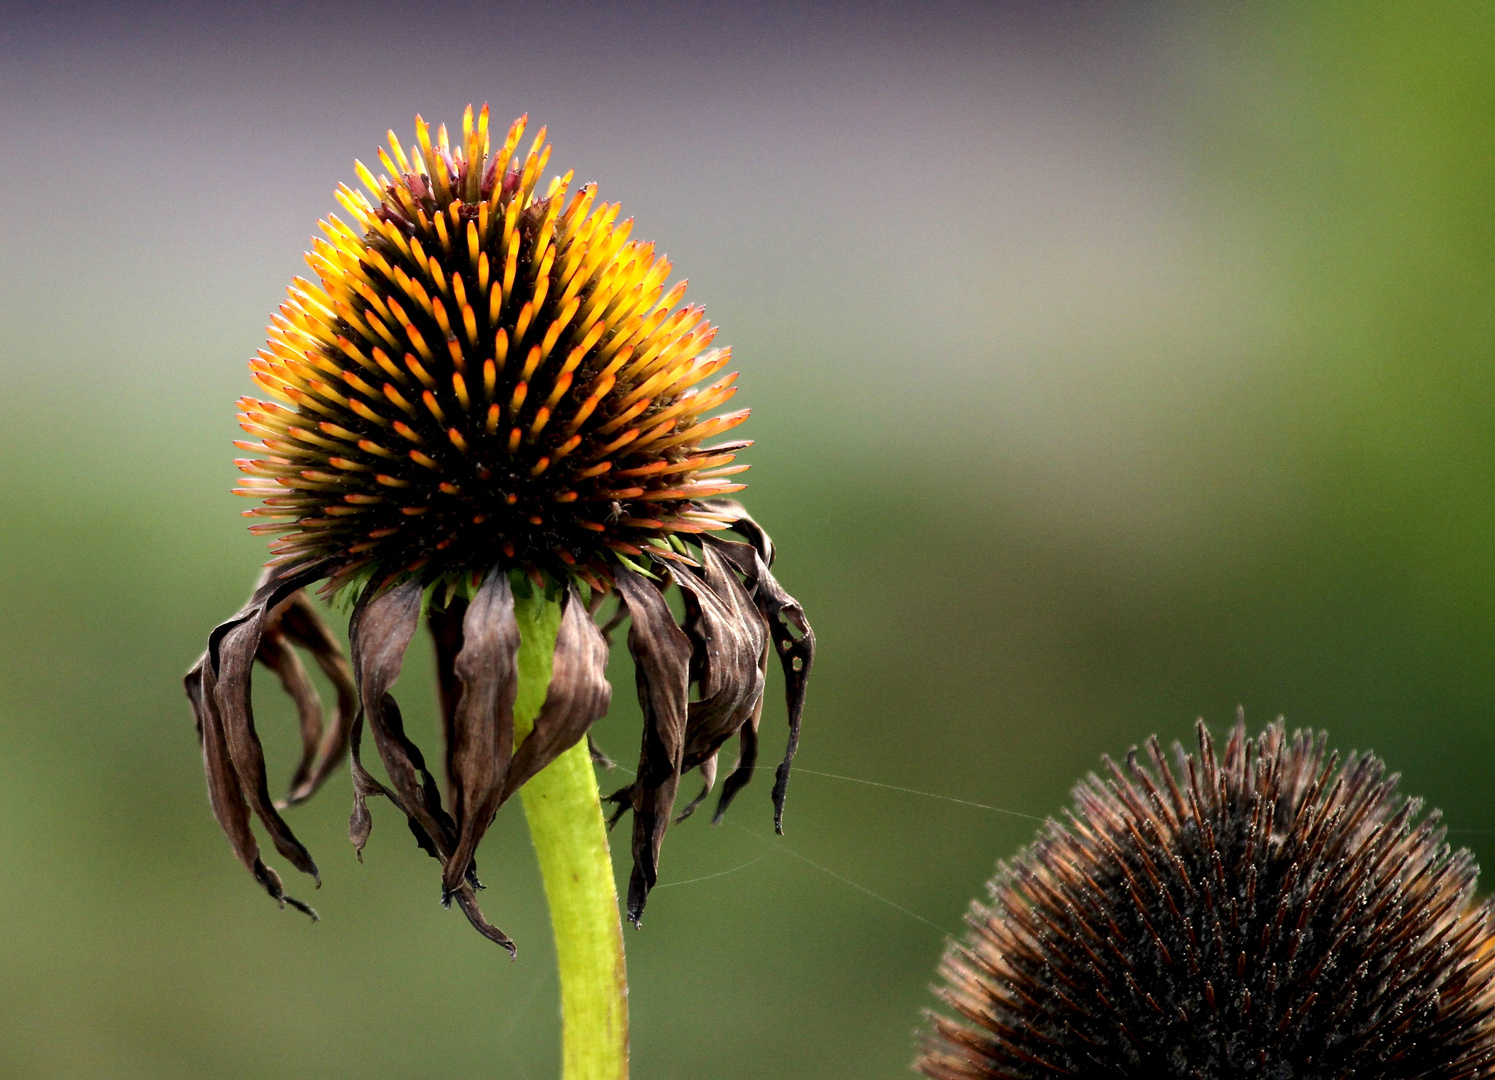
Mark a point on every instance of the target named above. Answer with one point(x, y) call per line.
point(1270, 914)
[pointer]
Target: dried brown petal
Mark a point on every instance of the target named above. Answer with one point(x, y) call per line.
point(297, 622)
point(483, 721)
point(730, 643)
point(380, 631)
point(796, 653)
point(231, 653)
point(445, 624)
point(224, 794)
point(661, 657)
point(225, 719)
point(577, 697)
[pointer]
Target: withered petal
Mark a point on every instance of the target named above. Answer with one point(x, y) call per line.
point(483, 721)
point(708, 781)
point(445, 624)
point(745, 525)
point(661, 656)
point(578, 695)
point(467, 900)
point(747, 764)
point(598, 757)
point(729, 639)
point(297, 622)
point(224, 793)
point(275, 653)
point(380, 631)
point(784, 616)
point(232, 648)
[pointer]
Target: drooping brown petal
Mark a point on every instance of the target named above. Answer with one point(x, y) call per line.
point(297, 622)
point(661, 657)
point(232, 647)
point(730, 642)
point(747, 761)
point(785, 617)
point(380, 631)
point(224, 793)
point(483, 722)
point(275, 653)
point(744, 524)
point(578, 695)
point(445, 624)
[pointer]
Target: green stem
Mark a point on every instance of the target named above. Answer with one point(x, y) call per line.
point(566, 826)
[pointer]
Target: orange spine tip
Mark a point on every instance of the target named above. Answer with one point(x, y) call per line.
point(516, 402)
point(407, 432)
point(419, 342)
point(514, 436)
point(433, 406)
point(511, 266)
point(617, 444)
point(391, 481)
point(396, 398)
point(562, 384)
point(540, 466)
point(368, 446)
point(448, 489)
point(459, 387)
point(413, 511)
point(542, 416)
point(593, 470)
point(568, 446)
point(472, 243)
point(521, 326)
point(491, 425)
point(483, 271)
point(531, 362)
point(454, 350)
point(439, 311)
point(422, 459)
point(470, 324)
point(456, 439)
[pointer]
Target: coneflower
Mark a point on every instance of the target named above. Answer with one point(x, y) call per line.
point(1274, 914)
point(492, 413)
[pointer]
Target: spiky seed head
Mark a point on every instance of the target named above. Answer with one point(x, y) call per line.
point(1273, 915)
point(485, 373)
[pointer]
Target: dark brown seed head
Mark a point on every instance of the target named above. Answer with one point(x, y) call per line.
point(487, 372)
point(1271, 914)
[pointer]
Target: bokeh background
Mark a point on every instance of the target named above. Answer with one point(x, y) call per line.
point(1112, 366)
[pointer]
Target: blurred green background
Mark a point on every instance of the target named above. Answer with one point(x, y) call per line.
point(1112, 366)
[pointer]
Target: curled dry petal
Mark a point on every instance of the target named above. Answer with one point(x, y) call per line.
point(218, 687)
point(792, 637)
point(661, 656)
point(482, 735)
point(729, 641)
point(577, 697)
point(382, 626)
point(297, 622)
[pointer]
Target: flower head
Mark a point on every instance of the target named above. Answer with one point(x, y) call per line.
point(490, 392)
point(1273, 914)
